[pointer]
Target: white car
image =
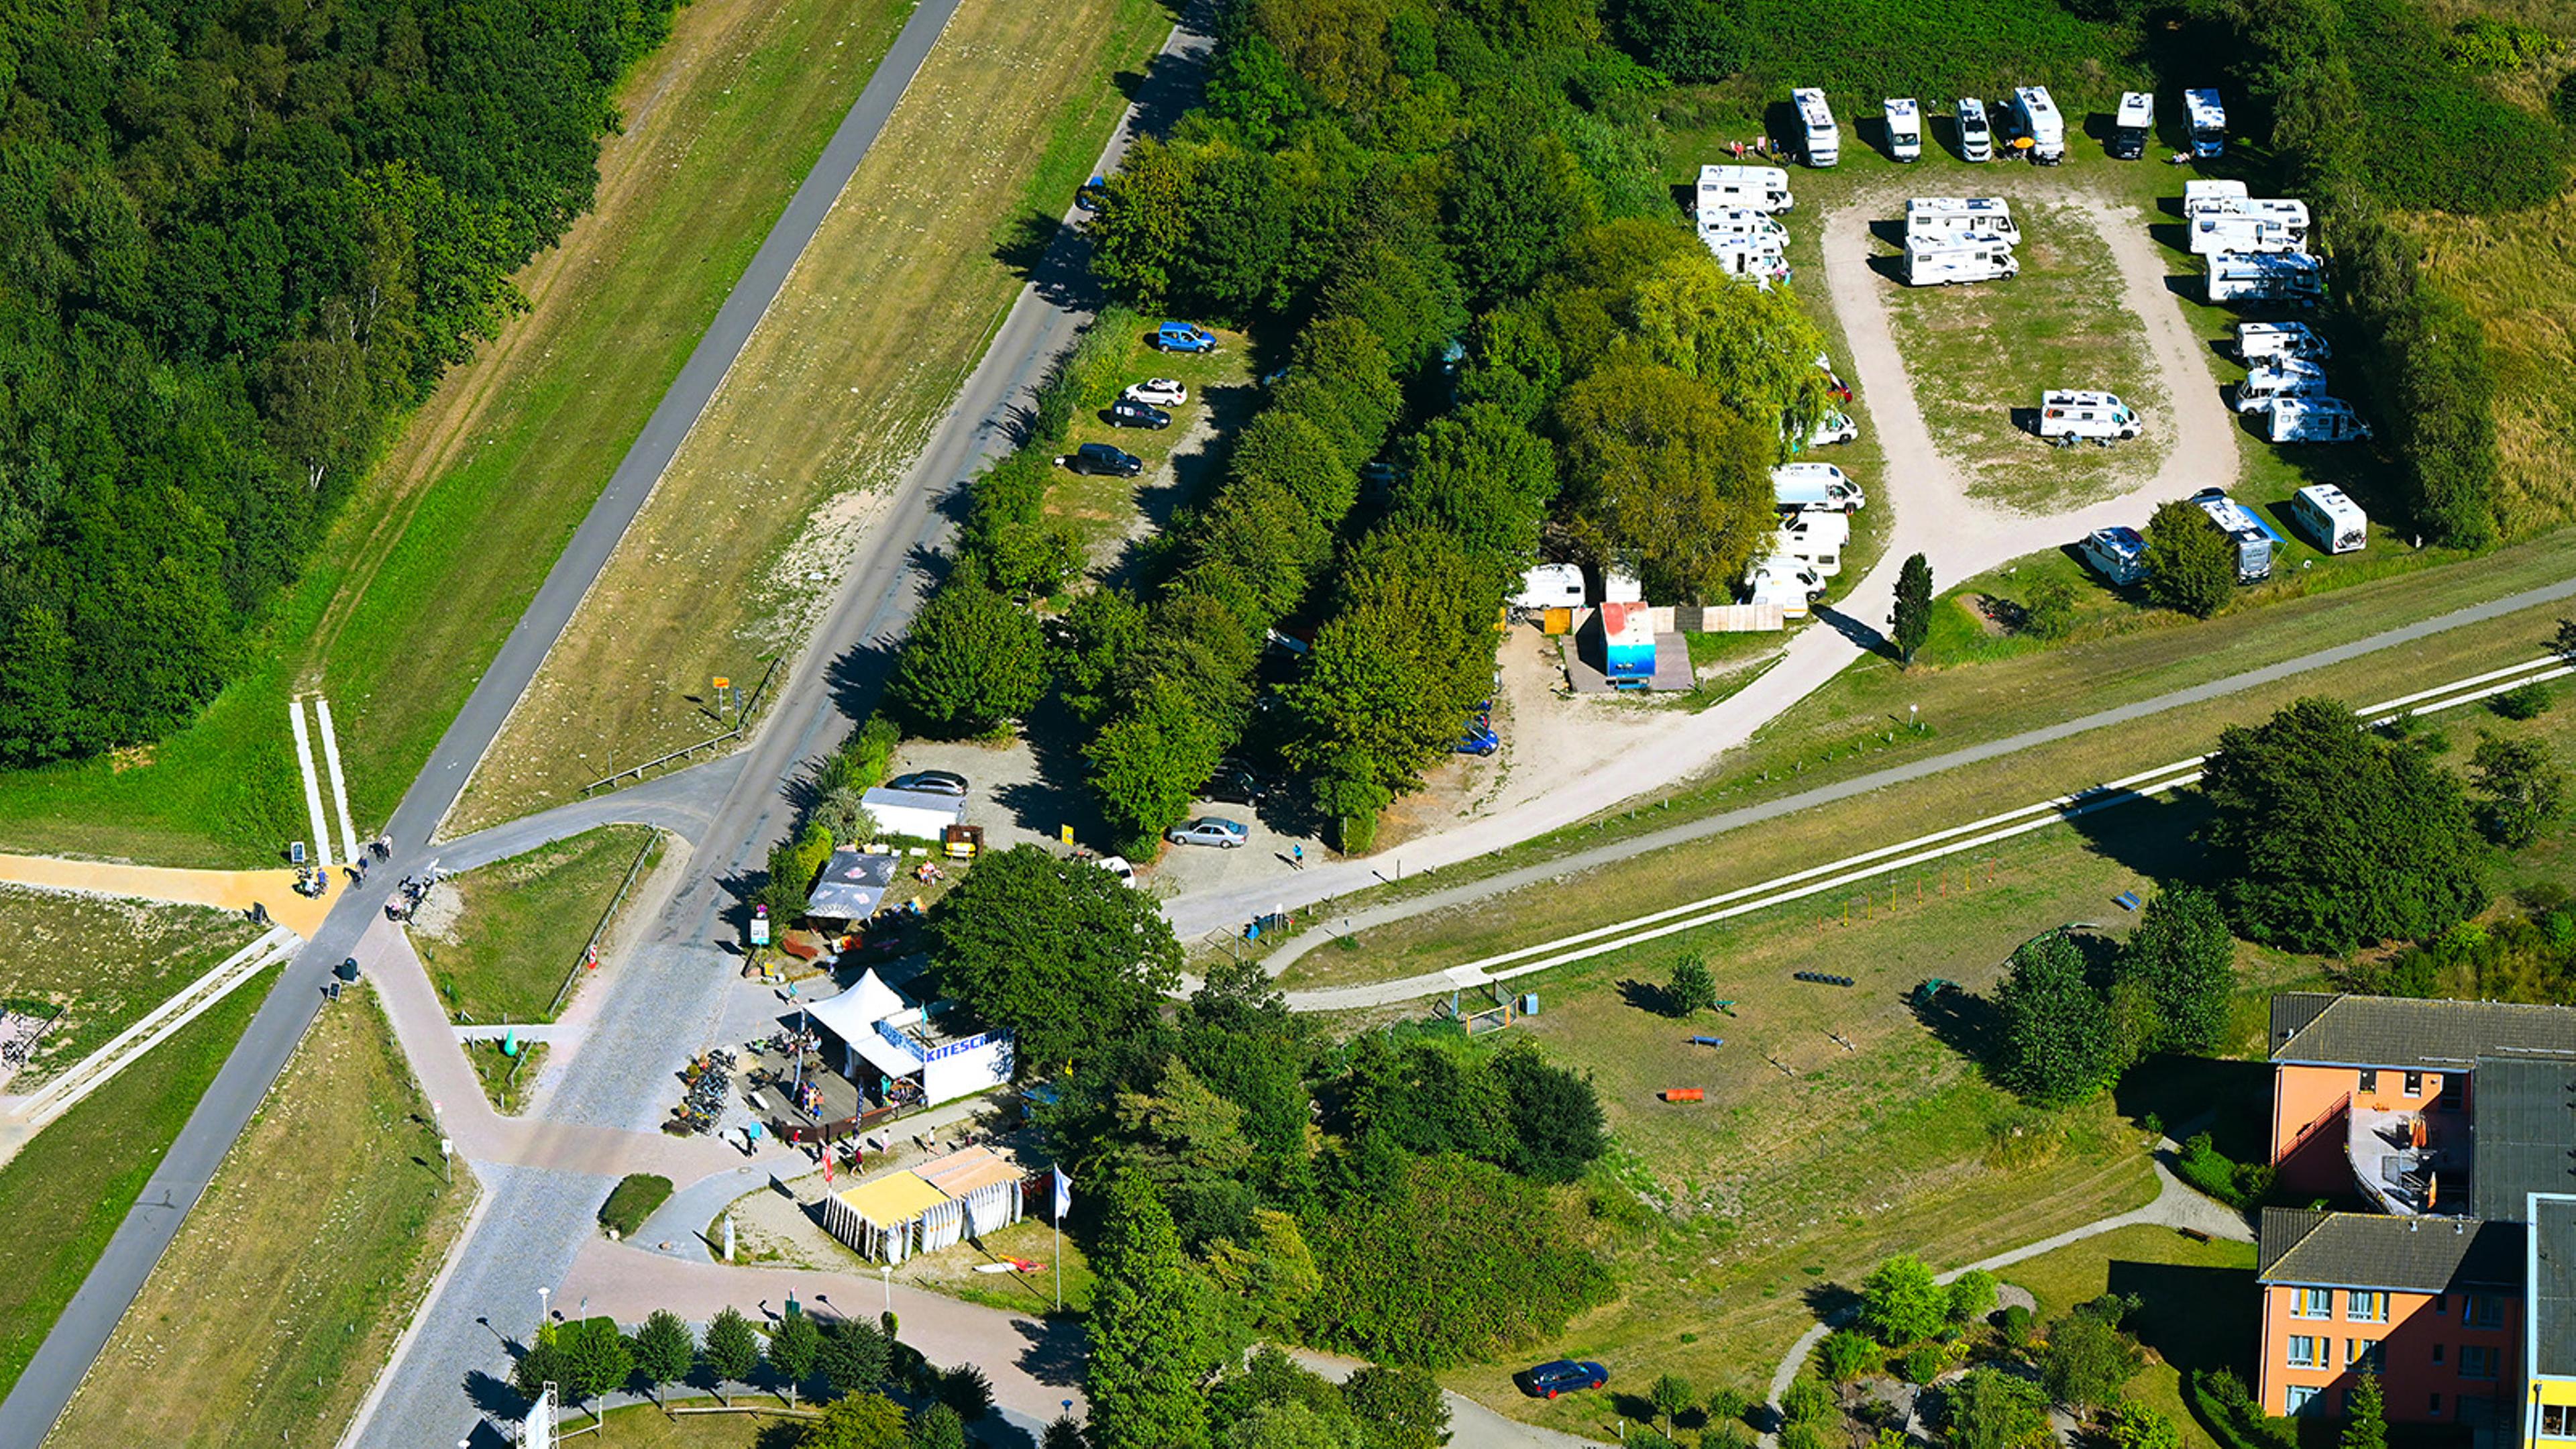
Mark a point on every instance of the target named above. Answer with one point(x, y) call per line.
point(1117, 865)
point(1161, 392)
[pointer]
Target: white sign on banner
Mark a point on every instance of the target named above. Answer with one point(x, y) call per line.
point(537, 1431)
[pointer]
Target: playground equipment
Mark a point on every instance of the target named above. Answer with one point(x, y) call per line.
point(1683, 1094)
point(1820, 978)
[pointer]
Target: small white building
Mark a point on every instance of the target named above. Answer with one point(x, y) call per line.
point(914, 814)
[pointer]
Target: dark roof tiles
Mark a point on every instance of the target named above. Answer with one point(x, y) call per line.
point(2415, 1034)
point(2366, 1250)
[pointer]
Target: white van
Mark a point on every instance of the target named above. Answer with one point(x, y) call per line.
point(1745, 222)
point(2333, 520)
point(2118, 552)
point(1783, 582)
point(1823, 139)
point(2210, 195)
point(1904, 129)
point(1976, 133)
point(1953, 218)
point(1815, 487)
point(1550, 586)
point(2317, 420)
point(2035, 116)
point(1750, 188)
point(2289, 278)
point(1815, 540)
point(2281, 377)
point(2131, 125)
point(1753, 259)
point(2208, 122)
point(1930, 261)
point(2258, 342)
point(2068, 416)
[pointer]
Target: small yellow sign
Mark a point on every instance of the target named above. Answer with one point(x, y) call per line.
point(723, 683)
point(1067, 832)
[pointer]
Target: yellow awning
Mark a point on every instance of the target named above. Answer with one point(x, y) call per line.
point(895, 1198)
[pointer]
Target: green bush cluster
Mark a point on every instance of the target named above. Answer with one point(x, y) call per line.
point(2483, 44)
point(2527, 959)
point(1086, 378)
point(2427, 118)
point(2069, 1025)
point(1865, 50)
point(2237, 1184)
point(634, 1199)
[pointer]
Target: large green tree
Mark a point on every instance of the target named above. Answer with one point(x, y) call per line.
point(2520, 788)
point(1901, 1304)
point(2325, 836)
point(2191, 566)
point(2051, 1043)
point(972, 662)
point(1912, 622)
point(1664, 479)
point(1148, 763)
point(1063, 953)
point(665, 1350)
point(2183, 961)
point(732, 1349)
point(1151, 1352)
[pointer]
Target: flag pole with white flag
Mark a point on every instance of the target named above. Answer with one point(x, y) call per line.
point(1063, 1202)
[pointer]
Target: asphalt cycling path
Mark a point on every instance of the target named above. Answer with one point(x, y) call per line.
point(74, 1343)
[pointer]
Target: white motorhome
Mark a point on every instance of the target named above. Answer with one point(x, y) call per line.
point(2119, 552)
point(1931, 261)
point(1815, 487)
point(2210, 195)
point(2208, 122)
point(2282, 377)
point(1836, 426)
point(1823, 140)
point(2317, 420)
point(1976, 133)
point(2068, 416)
point(2290, 278)
point(2254, 542)
point(2246, 225)
point(2258, 342)
point(1781, 581)
point(2035, 117)
point(2336, 522)
point(1749, 188)
point(1952, 218)
point(1753, 259)
point(1904, 129)
point(1619, 588)
point(1743, 221)
point(2131, 125)
point(1550, 586)
point(1815, 540)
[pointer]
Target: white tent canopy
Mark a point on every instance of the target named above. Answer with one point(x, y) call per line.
point(853, 1016)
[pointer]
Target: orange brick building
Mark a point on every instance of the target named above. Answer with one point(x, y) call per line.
point(2432, 1305)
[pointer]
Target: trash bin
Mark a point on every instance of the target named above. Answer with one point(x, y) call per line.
point(1529, 1004)
point(348, 969)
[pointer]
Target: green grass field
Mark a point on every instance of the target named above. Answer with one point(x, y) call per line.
point(103, 963)
point(2198, 1309)
point(68, 1189)
point(243, 1331)
point(519, 924)
point(1114, 515)
point(413, 591)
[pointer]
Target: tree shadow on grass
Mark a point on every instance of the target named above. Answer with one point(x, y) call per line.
point(1647, 997)
point(1832, 1303)
point(1959, 1019)
point(2151, 835)
point(2199, 1318)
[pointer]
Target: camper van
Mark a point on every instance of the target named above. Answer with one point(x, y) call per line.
point(2068, 416)
point(2317, 420)
point(1976, 134)
point(2336, 522)
point(1753, 259)
point(2208, 123)
point(1815, 540)
point(1550, 586)
point(1743, 221)
point(1930, 262)
point(2282, 377)
point(2244, 225)
point(1749, 188)
point(1955, 218)
point(1836, 426)
point(2035, 116)
point(1823, 140)
point(2119, 553)
point(1904, 129)
point(1782, 581)
point(2206, 195)
point(2287, 278)
point(2254, 541)
point(2131, 125)
point(1815, 487)
point(2260, 342)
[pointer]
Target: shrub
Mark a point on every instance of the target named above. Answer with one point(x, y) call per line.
point(2523, 701)
point(1899, 1302)
point(1845, 1355)
point(2136, 1426)
point(2237, 1184)
point(2049, 611)
point(1926, 1362)
point(632, 1201)
point(1972, 1296)
point(1728, 1405)
point(2016, 1325)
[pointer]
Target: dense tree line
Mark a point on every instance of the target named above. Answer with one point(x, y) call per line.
point(2070, 1021)
point(238, 239)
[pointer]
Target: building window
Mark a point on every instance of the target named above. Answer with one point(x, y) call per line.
point(2482, 1310)
point(2365, 1307)
point(2434, 1407)
point(2558, 1421)
point(2437, 1353)
point(2441, 1302)
point(2307, 1351)
point(2302, 1399)
point(2477, 1361)
point(2414, 1084)
point(2361, 1353)
point(2312, 1302)
point(2454, 1092)
point(2370, 1079)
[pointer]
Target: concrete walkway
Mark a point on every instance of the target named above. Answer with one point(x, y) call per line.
point(2176, 1205)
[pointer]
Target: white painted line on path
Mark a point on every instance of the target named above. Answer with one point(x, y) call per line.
point(339, 788)
point(312, 787)
point(157, 1026)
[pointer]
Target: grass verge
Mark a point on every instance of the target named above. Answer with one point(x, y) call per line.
point(2197, 1305)
point(68, 1189)
point(405, 603)
point(883, 320)
point(103, 963)
point(243, 1329)
point(518, 925)
point(506, 1079)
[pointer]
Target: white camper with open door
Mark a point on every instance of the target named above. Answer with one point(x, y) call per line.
point(1821, 141)
point(1934, 262)
point(2036, 119)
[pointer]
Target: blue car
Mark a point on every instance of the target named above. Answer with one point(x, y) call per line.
point(1184, 337)
point(1480, 738)
point(1564, 1376)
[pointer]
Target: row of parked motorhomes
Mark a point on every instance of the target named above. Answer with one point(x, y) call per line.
point(2034, 128)
point(2322, 511)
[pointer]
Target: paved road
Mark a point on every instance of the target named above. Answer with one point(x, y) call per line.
point(1561, 867)
point(47, 1385)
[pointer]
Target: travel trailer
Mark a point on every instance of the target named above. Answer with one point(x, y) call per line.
point(2288, 278)
point(2258, 342)
point(1550, 586)
point(1815, 540)
point(2068, 416)
point(1976, 133)
point(2254, 541)
point(2131, 125)
point(2282, 377)
point(2336, 522)
point(1930, 262)
point(2317, 420)
point(1754, 259)
point(1823, 141)
point(2209, 195)
point(1750, 188)
point(2035, 118)
point(2208, 123)
point(1952, 218)
point(2244, 225)
point(2119, 553)
point(1904, 129)
point(1744, 222)
point(1818, 487)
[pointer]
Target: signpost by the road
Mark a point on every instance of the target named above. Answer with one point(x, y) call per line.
point(295, 852)
point(446, 1149)
point(760, 925)
point(726, 698)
